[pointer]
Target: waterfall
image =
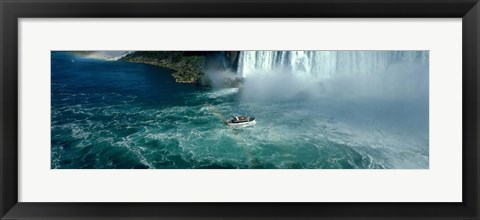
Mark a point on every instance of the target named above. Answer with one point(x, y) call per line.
point(372, 74)
point(324, 64)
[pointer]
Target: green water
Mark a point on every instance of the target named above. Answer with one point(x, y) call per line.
point(127, 115)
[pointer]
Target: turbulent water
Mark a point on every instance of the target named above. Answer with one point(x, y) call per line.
point(313, 109)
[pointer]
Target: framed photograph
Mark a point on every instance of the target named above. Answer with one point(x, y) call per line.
point(239, 109)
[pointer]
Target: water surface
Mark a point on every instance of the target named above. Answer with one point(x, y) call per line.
point(114, 114)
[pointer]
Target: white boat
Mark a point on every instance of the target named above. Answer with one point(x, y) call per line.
point(241, 121)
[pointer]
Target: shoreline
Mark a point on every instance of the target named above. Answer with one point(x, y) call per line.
point(187, 69)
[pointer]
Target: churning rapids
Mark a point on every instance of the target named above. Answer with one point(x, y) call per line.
point(314, 109)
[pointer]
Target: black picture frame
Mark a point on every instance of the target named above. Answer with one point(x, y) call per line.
point(12, 10)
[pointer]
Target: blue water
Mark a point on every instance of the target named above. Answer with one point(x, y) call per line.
point(121, 115)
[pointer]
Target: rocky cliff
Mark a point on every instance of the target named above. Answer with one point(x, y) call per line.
point(189, 66)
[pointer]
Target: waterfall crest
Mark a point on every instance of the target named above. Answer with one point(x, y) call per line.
point(325, 64)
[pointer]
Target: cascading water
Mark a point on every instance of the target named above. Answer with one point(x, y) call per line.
point(379, 74)
point(376, 100)
point(324, 64)
point(314, 110)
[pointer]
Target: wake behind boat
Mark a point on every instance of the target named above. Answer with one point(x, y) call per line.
point(241, 121)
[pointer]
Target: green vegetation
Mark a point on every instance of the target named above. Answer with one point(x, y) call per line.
point(188, 68)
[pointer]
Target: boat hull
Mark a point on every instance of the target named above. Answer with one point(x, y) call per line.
point(242, 124)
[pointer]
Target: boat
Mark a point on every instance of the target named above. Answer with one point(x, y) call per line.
point(241, 121)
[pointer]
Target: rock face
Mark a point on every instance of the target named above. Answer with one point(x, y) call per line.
point(189, 66)
point(233, 58)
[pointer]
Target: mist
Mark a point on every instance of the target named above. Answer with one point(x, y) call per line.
point(398, 80)
point(108, 55)
point(389, 96)
point(221, 79)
